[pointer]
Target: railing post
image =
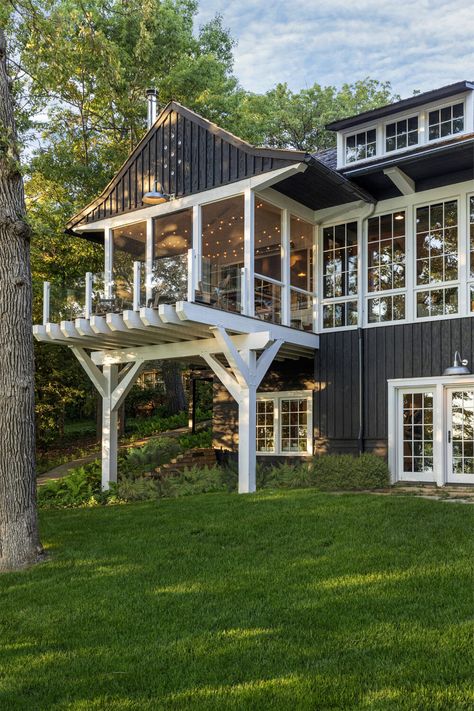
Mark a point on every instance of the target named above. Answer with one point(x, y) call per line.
point(190, 296)
point(286, 272)
point(249, 249)
point(136, 285)
point(149, 260)
point(88, 299)
point(46, 301)
point(243, 290)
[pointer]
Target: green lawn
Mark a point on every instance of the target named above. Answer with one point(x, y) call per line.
point(287, 600)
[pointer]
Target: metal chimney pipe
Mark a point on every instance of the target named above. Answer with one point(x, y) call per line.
point(151, 112)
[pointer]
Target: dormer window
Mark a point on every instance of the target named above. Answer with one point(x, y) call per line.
point(361, 145)
point(401, 134)
point(446, 121)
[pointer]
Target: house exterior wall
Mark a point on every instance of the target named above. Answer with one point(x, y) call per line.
point(412, 350)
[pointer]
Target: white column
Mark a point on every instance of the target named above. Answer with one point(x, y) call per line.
point(108, 263)
point(285, 268)
point(109, 428)
point(137, 273)
point(88, 298)
point(248, 428)
point(46, 302)
point(249, 245)
point(197, 247)
point(149, 260)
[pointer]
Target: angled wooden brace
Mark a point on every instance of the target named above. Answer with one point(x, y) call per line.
point(123, 388)
point(232, 355)
point(265, 361)
point(95, 375)
point(227, 380)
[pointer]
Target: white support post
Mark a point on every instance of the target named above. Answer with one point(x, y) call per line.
point(285, 268)
point(243, 290)
point(197, 247)
point(46, 302)
point(190, 295)
point(249, 249)
point(108, 263)
point(137, 268)
point(149, 260)
point(88, 302)
point(109, 428)
point(248, 430)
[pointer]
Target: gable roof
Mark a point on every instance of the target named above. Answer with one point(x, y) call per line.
point(187, 154)
point(403, 105)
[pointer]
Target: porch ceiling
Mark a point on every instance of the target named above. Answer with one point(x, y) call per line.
point(182, 329)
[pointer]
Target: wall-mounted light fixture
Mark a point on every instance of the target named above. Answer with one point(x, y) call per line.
point(459, 366)
point(156, 196)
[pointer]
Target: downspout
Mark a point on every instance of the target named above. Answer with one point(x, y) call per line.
point(360, 334)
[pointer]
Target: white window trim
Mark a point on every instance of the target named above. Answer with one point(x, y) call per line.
point(327, 301)
point(276, 397)
point(455, 283)
point(363, 129)
point(395, 119)
point(423, 122)
point(438, 386)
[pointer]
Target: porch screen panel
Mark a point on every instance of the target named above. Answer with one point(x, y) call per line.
point(222, 253)
point(172, 238)
point(267, 261)
point(301, 273)
point(128, 246)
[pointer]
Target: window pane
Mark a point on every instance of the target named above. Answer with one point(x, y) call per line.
point(265, 426)
point(436, 252)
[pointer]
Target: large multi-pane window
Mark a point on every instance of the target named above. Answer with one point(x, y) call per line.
point(417, 432)
point(340, 275)
point(401, 134)
point(386, 267)
point(284, 423)
point(301, 274)
point(361, 145)
point(471, 251)
point(446, 121)
point(437, 258)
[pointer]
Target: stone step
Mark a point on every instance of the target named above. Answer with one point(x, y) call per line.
point(201, 457)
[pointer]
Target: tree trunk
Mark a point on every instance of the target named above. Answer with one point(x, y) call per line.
point(173, 382)
point(19, 538)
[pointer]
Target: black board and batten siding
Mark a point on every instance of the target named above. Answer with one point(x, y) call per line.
point(186, 158)
point(414, 350)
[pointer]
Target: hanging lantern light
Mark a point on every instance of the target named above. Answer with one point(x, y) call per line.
point(156, 196)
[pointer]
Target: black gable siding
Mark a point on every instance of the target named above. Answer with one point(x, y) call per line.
point(186, 158)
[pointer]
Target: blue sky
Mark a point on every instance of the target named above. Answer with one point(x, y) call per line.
point(416, 44)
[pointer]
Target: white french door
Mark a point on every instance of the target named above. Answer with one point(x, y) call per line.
point(431, 430)
point(459, 435)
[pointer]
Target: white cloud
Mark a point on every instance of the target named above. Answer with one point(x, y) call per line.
point(415, 45)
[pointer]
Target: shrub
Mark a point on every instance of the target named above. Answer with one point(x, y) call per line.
point(332, 472)
point(150, 455)
point(199, 439)
point(136, 489)
point(197, 480)
point(156, 424)
point(79, 487)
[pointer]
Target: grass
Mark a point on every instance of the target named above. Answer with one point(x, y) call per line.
point(282, 600)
